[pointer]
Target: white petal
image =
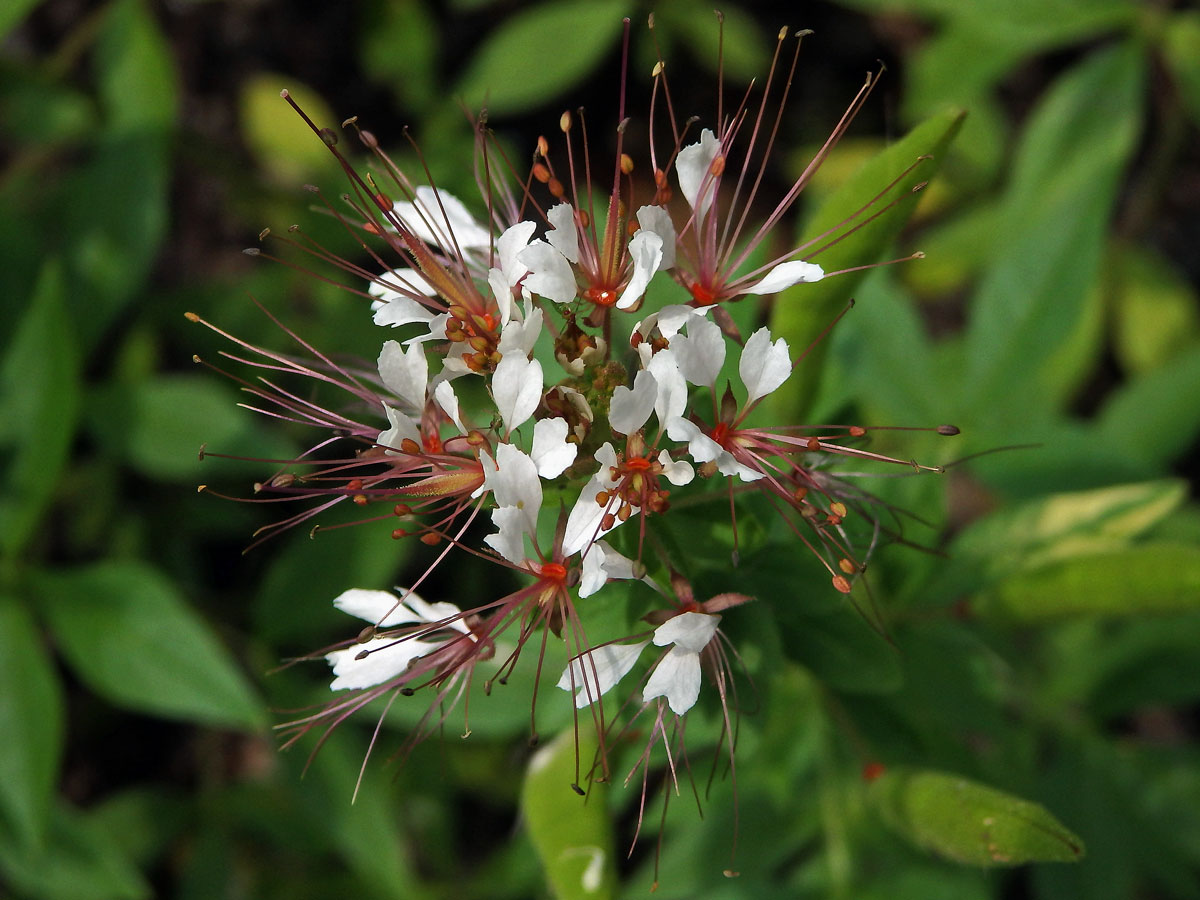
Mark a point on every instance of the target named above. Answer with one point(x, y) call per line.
point(669, 319)
point(517, 389)
point(583, 522)
point(690, 631)
point(441, 611)
point(502, 291)
point(550, 275)
point(402, 429)
point(672, 395)
point(440, 218)
point(399, 310)
point(381, 608)
point(701, 447)
point(388, 658)
point(399, 284)
point(676, 677)
point(646, 249)
point(405, 374)
point(519, 335)
point(596, 672)
point(631, 407)
point(693, 168)
point(563, 236)
point(508, 247)
point(764, 366)
point(551, 451)
point(678, 472)
point(727, 464)
point(700, 353)
point(785, 275)
point(600, 563)
point(658, 220)
point(509, 541)
point(513, 479)
point(448, 401)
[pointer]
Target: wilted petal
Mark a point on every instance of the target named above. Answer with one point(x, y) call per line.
point(676, 677)
point(631, 407)
point(764, 366)
point(563, 235)
point(517, 388)
point(552, 453)
point(550, 275)
point(596, 672)
point(657, 220)
point(693, 166)
point(405, 374)
point(785, 275)
point(646, 249)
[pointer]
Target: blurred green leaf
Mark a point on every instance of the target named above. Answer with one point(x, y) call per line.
point(572, 834)
point(1181, 50)
point(280, 140)
point(1155, 418)
point(40, 111)
point(158, 426)
point(134, 641)
point(1151, 578)
point(78, 861)
point(1156, 312)
point(802, 312)
point(39, 405)
point(31, 720)
point(970, 822)
point(1037, 533)
point(12, 12)
point(1033, 333)
point(400, 47)
point(691, 24)
point(540, 53)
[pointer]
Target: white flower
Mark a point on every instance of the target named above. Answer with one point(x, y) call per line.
point(601, 563)
point(440, 218)
point(594, 673)
point(693, 166)
point(631, 407)
point(387, 656)
point(704, 449)
point(550, 274)
point(700, 353)
point(551, 452)
point(677, 675)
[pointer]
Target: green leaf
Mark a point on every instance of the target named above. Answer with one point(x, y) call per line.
point(39, 405)
point(971, 823)
point(31, 720)
point(1151, 578)
point(1030, 535)
point(279, 139)
point(134, 641)
point(1034, 332)
point(400, 47)
point(572, 834)
point(1156, 312)
point(526, 62)
point(802, 312)
point(79, 861)
point(1155, 418)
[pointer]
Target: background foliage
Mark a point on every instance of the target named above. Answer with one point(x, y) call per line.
point(1053, 654)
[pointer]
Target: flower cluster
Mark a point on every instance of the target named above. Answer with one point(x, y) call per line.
point(559, 383)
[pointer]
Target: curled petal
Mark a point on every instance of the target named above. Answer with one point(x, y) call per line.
point(690, 632)
point(448, 401)
point(678, 472)
point(402, 429)
point(646, 249)
point(676, 677)
point(785, 275)
point(657, 220)
point(700, 353)
point(601, 563)
point(405, 374)
point(764, 366)
point(517, 388)
point(509, 246)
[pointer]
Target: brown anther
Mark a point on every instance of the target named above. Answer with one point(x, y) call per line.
point(948, 430)
point(402, 509)
point(717, 167)
point(366, 634)
point(603, 497)
point(363, 654)
point(626, 164)
point(430, 539)
point(354, 484)
point(847, 566)
point(857, 431)
point(541, 173)
point(813, 443)
point(411, 447)
point(556, 189)
point(262, 235)
point(398, 533)
point(624, 512)
point(564, 122)
point(841, 583)
point(479, 343)
point(360, 499)
point(329, 136)
point(543, 145)
point(799, 494)
point(608, 522)
point(585, 218)
point(287, 479)
point(838, 508)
